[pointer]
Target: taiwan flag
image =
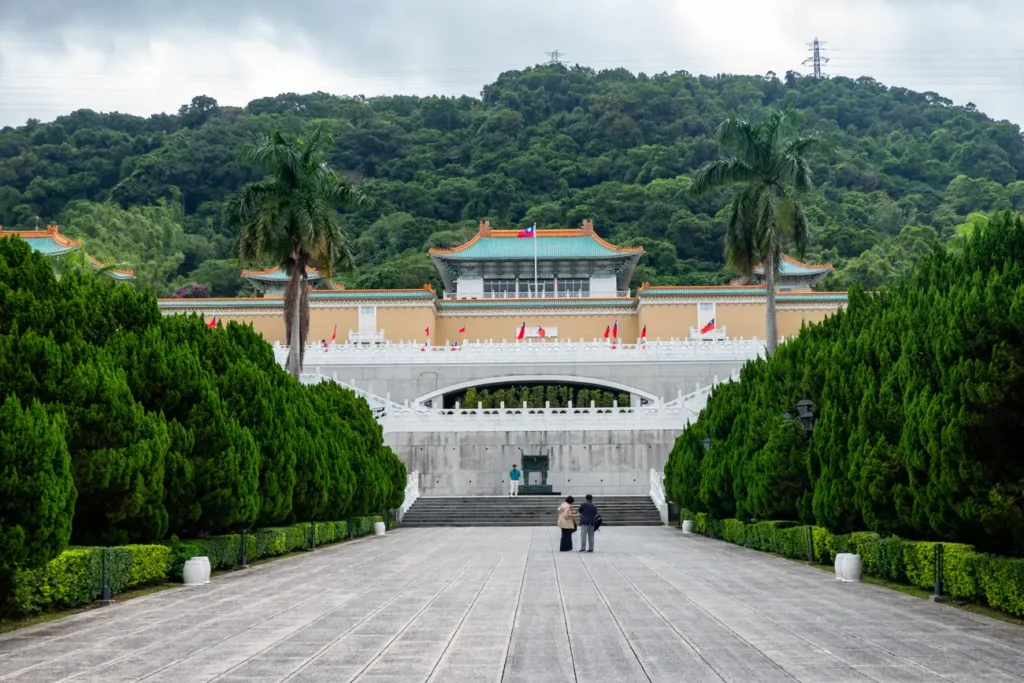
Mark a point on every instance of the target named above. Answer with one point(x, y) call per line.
point(615, 330)
point(541, 333)
point(528, 232)
point(522, 331)
point(213, 323)
point(643, 335)
point(462, 330)
point(334, 335)
point(427, 330)
point(607, 331)
point(709, 327)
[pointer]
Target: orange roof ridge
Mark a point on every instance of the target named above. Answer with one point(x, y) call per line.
point(123, 271)
point(53, 234)
point(489, 232)
point(273, 269)
point(461, 247)
point(813, 266)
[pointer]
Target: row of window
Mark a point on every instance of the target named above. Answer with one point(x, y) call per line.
point(511, 288)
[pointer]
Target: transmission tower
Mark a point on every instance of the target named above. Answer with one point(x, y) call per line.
point(554, 57)
point(816, 59)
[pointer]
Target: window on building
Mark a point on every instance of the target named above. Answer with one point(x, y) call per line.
point(541, 289)
point(500, 289)
point(574, 287)
point(705, 316)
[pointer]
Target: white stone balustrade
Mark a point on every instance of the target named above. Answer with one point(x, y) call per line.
point(533, 351)
point(658, 494)
point(412, 493)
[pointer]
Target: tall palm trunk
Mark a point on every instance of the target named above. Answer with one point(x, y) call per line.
point(296, 324)
point(770, 323)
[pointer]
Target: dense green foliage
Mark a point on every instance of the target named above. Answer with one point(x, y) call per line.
point(537, 396)
point(75, 576)
point(551, 145)
point(919, 394)
point(967, 574)
point(167, 427)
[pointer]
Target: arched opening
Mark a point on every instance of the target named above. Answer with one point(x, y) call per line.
point(560, 386)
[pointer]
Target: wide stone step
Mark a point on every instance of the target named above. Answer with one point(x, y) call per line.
point(524, 511)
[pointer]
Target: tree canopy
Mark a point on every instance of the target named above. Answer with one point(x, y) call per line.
point(547, 144)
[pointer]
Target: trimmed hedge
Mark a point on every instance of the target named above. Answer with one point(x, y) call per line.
point(75, 577)
point(967, 574)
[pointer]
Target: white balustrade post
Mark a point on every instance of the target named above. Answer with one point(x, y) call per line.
point(658, 494)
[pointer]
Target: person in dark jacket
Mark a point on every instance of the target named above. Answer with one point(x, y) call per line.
point(588, 522)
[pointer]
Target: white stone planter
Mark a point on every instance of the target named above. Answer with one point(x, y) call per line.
point(839, 565)
point(379, 528)
point(851, 568)
point(193, 573)
point(204, 562)
point(687, 526)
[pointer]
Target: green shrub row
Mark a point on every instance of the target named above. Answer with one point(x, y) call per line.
point(967, 574)
point(75, 577)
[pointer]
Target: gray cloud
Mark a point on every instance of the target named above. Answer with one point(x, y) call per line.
point(148, 55)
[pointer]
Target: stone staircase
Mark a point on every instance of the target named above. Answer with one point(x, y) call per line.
point(524, 511)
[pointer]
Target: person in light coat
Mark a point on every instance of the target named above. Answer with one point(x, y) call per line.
point(567, 523)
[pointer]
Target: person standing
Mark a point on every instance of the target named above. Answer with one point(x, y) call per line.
point(567, 523)
point(513, 481)
point(588, 521)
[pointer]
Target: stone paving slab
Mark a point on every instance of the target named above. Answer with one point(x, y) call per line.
point(501, 604)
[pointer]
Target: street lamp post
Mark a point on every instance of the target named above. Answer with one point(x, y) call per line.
point(707, 443)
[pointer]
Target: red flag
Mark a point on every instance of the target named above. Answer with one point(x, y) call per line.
point(615, 330)
point(462, 330)
point(428, 330)
point(707, 328)
point(528, 232)
point(643, 332)
point(541, 333)
point(607, 331)
point(213, 323)
point(334, 335)
point(522, 331)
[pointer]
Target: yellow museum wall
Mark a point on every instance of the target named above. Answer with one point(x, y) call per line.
point(505, 325)
point(667, 321)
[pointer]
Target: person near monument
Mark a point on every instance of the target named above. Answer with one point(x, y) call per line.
point(567, 523)
point(588, 524)
point(514, 476)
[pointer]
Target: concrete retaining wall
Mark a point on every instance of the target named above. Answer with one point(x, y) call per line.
point(601, 462)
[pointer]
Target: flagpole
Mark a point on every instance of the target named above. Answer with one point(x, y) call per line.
point(535, 289)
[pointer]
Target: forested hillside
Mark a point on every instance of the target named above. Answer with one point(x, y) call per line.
point(550, 145)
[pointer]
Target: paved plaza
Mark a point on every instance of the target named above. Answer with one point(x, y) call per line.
point(453, 605)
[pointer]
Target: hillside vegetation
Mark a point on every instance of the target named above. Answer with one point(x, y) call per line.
point(550, 145)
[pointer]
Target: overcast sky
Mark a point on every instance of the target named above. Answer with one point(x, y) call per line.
point(147, 56)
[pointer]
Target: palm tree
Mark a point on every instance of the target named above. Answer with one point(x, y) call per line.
point(767, 162)
point(290, 218)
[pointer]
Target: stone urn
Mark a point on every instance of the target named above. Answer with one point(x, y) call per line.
point(204, 562)
point(379, 528)
point(193, 572)
point(687, 526)
point(839, 565)
point(851, 567)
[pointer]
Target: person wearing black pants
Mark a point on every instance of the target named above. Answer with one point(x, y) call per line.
point(567, 523)
point(588, 521)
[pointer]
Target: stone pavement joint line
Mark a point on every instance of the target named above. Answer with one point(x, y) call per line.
point(455, 605)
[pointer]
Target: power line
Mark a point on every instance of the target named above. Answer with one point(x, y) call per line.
point(816, 59)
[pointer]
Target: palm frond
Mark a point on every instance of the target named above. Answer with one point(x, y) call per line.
point(780, 125)
point(742, 139)
point(740, 250)
point(718, 174)
point(795, 171)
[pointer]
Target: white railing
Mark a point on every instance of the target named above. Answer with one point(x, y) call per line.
point(658, 494)
point(534, 351)
point(716, 334)
point(617, 294)
point(378, 404)
point(364, 338)
point(412, 493)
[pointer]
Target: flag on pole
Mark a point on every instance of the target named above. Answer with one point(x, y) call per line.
point(528, 232)
point(607, 331)
point(541, 333)
point(709, 327)
point(462, 330)
point(334, 335)
point(522, 331)
point(213, 323)
point(615, 330)
point(427, 330)
point(643, 336)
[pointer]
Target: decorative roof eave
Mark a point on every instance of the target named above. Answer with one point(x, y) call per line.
point(116, 273)
point(50, 234)
point(447, 304)
point(278, 274)
point(755, 291)
point(802, 269)
point(426, 294)
point(485, 231)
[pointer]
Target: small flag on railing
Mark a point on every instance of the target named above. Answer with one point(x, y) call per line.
point(462, 330)
point(615, 330)
point(709, 327)
point(427, 330)
point(643, 336)
point(522, 331)
point(334, 335)
point(541, 333)
point(607, 331)
point(213, 323)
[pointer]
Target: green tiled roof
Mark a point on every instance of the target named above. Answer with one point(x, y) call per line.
point(340, 295)
point(280, 275)
point(377, 294)
point(723, 291)
point(48, 246)
point(547, 248)
point(791, 268)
